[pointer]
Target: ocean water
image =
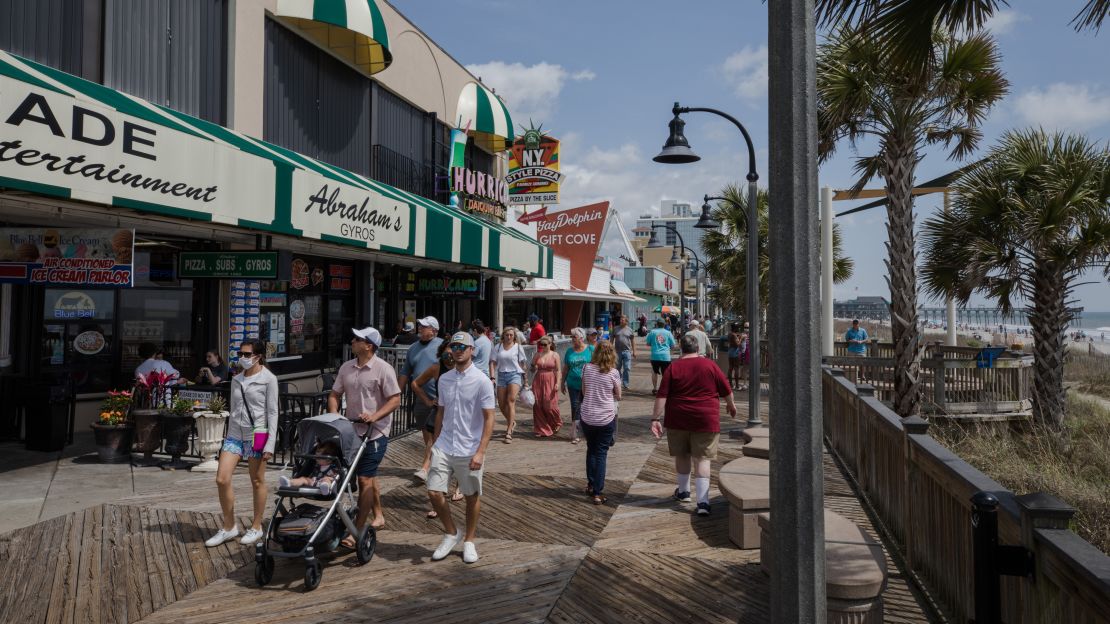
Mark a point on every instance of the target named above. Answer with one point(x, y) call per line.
point(1093, 320)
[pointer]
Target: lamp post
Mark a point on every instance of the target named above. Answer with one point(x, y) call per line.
point(699, 282)
point(676, 258)
point(677, 151)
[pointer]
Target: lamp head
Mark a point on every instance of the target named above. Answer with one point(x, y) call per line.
point(676, 257)
point(653, 242)
point(676, 151)
point(706, 222)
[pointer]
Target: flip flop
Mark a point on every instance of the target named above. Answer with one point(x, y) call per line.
point(345, 544)
point(431, 515)
point(457, 496)
point(599, 500)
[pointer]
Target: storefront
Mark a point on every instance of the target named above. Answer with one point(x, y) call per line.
point(230, 238)
point(655, 286)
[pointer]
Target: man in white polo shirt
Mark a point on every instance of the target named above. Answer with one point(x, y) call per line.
point(464, 422)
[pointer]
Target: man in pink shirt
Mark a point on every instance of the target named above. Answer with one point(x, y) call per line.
point(370, 386)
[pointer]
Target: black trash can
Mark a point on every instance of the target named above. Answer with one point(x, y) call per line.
point(47, 405)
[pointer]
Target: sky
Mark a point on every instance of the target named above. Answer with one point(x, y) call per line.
point(602, 77)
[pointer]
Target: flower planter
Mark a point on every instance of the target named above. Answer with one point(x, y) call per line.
point(210, 437)
point(113, 442)
point(176, 430)
point(148, 435)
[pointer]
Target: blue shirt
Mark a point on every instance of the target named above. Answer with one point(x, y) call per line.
point(482, 348)
point(420, 357)
point(856, 334)
point(661, 342)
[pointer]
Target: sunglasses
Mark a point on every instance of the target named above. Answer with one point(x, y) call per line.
point(459, 347)
point(246, 353)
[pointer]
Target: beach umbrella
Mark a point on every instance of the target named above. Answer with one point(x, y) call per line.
point(667, 309)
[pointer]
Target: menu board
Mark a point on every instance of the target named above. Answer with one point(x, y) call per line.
point(245, 303)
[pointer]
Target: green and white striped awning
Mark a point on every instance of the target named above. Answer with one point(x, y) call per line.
point(352, 29)
point(486, 115)
point(66, 137)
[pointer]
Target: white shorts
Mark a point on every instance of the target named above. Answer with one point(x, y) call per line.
point(444, 466)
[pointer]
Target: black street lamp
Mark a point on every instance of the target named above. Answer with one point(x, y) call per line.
point(676, 258)
point(677, 151)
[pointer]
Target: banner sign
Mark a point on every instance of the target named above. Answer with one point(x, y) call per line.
point(456, 285)
point(474, 191)
point(575, 234)
point(534, 175)
point(69, 257)
point(265, 265)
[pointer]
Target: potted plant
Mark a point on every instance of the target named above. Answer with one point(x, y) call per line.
point(151, 396)
point(211, 422)
point(177, 424)
point(112, 430)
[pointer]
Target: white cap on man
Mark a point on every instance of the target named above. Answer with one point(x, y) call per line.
point(429, 321)
point(369, 334)
point(409, 326)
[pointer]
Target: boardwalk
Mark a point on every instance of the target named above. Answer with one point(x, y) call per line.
point(546, 553)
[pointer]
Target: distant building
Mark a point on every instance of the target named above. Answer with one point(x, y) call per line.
point(862, 308)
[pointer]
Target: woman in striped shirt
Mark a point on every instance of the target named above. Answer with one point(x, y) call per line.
point(601, 389)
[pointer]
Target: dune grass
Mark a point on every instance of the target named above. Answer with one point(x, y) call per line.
point(1073, 466)
point(1088, 373)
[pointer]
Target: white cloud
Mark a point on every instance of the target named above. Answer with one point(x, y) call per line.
point(529, 90)
point(1064, 106)
point(1004, 21)
point(746, 73)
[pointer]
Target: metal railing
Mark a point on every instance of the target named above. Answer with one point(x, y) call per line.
point(403, 172)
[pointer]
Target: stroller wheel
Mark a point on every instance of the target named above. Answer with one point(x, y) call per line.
point(264, 570)
point(312, 575)
point(364, 549)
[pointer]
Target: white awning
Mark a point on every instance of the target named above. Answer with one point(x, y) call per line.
point(621, 288)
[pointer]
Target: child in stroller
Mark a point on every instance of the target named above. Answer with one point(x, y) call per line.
point(323, 476)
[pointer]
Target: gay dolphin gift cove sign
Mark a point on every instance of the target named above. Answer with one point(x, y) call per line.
point(575, 234)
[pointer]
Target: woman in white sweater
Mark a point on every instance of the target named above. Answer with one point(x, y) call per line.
point(251, 434)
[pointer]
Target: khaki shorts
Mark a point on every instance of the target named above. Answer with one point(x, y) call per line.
point(445, 466)
point(697, 443)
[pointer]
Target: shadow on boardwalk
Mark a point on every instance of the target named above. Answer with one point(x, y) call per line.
point(547, 554)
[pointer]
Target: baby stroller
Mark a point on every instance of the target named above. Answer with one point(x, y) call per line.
point(300, 531)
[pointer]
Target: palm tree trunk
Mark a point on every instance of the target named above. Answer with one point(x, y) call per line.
point(900, 162)
point(1049, 319)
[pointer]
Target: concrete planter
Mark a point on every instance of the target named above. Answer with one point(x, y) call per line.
point(210, 437)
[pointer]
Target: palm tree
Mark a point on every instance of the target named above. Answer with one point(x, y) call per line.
point(905, 27)
point(1025, 224)
point(861, 95)
point(726, 251)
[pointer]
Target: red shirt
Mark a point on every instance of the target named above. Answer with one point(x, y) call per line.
point(693, 388)
point(537, 332)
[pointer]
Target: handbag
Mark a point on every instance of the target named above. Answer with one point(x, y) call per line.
point(258, 444)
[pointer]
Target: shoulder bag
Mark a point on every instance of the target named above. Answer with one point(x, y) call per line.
point(258, 444)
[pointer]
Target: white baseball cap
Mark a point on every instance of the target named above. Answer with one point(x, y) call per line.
point(429, 321)
point(369, 334)
point(408, 326)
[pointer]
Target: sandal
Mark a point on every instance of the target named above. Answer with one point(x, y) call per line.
point(574, 441)
point(599, 499)
point(431, 515)
point(457, 496)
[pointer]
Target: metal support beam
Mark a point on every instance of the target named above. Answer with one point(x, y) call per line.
point(949, 302)
point(797, 495)
point(828, 336)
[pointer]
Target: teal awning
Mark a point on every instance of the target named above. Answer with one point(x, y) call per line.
point(352, 29)
point(71, 138)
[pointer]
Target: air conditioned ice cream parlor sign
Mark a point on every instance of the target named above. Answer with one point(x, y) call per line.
point(71, 257)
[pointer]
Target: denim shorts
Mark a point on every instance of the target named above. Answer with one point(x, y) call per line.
point(507, 378)
point(372, 456)
point(241, 448)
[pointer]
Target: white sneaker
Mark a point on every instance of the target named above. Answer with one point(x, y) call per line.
point(447, 545)
point(470, 553)
point(251, 537)
point(420, 475)
point(221, 536)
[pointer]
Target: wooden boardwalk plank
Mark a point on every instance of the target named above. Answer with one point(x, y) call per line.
point(138, 581)
point(89, 570)
point(157, 566)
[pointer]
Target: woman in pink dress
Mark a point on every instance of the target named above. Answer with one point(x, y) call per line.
point(546, 419)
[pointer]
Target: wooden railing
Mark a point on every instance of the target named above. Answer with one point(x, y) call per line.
point(951, 380)
point(922, 491)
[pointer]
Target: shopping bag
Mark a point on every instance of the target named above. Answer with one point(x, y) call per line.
point(527, 397)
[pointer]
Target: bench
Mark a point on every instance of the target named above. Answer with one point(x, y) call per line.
point(855, 570)
point(757, 446)
point(746, 484)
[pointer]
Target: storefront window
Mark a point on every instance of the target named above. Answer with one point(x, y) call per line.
point(78, 337)
point(162, 317)
point(305, 324)
point(340, 322)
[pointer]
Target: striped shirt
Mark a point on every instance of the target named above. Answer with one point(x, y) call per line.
point(599, 390)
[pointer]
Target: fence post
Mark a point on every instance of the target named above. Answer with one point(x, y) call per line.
point(873, 348)
point(1040, 511)
point(914, 425)
point(864, 391)
point(938, 381)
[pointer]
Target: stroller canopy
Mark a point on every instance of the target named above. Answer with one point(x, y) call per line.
point(328, 428)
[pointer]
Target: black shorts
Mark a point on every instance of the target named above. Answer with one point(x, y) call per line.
point(659, 366)
point(371, 457)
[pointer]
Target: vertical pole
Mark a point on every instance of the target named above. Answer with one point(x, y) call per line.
point(949, 303)
point(755, 383)
point(827, 335)
point(798, 541)
point(984, 544)
point(5, 325)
